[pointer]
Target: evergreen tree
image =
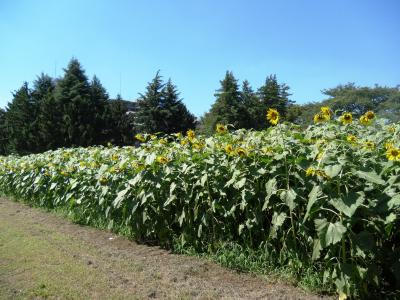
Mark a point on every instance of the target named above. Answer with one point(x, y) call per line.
point(19, 122)
point(74, 96)
point(175, 116)
point(119, 130)
point(148, 117)
point(99, 99)
point(251, 107)
point(227, 108)
point(3, 133)
point(273, 95)
point(49, 116)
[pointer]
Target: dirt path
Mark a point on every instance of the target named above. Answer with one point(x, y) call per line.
point(45, 256)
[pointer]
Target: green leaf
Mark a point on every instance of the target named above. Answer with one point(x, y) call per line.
point(329, 233)
point(316, 249)
point(277, 221)
point(240, 184)
point(271, 190)
point(289, 196)
point(181, 218)
point(241, 227)
point(394, 202)
point(332, 170)
point(349, 203)
point(203, 180)
point(120, 196)
point(372, 177)
point(312, 198)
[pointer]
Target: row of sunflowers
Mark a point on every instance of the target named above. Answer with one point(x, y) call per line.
point(327, 195)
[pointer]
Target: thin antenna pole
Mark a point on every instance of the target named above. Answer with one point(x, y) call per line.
point(55, 69)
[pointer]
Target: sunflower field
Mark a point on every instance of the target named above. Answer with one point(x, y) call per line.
point(327, 195)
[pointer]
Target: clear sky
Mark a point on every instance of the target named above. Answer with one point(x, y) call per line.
point(310, 45)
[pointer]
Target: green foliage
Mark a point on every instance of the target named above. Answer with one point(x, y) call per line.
point(355, 99)
point(20, 122)
point(82, 104)
point(227, 107)
point(119, 123)
point(161, 110)
point(273, 95)
point(3, 133)
point(308, 198)
point(49, 114)
point(244, 108)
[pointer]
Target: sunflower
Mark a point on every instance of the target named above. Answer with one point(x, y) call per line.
point(198, 146)
point(241, 151)
point(163, 141)
point(191, 134)
point(273, 116)
point(310, 171)
point(221, 128)
point(325, 110)
point(351, 138)
point(370, 115)
point(103, 180)
point(346, 118)
point(229, 148)
point(393, 154)
point(162, 159)
point(388, 145)
point(369, 145)
point(140, 137)
point(364, 120)
point(319, 118)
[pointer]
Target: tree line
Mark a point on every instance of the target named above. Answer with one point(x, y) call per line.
point(74, 111)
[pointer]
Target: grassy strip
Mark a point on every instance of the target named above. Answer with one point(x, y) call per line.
point(230, 255)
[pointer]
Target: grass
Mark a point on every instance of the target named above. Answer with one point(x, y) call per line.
point(229, 255)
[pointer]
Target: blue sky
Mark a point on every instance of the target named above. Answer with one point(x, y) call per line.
point(309, 45)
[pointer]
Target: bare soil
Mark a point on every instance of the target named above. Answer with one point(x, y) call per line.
point(43, 256)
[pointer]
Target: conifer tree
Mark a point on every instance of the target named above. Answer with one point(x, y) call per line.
point(3, 133)
point(19, 122)
point(73, 95)
point(251, 107)
point(119, 128)
point(147, 118)
point(49, 115)
point(99, 99)
point(273, 95)
point(174, 114)
point(227, 107)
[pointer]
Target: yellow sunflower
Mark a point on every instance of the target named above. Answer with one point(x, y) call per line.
point(325, 110)
point(140, 137)
point(370, 115)
point(162, 159)
point(346, 118)
point(369, 145)
point(364, 120)
point(221, 128)
point(319, 118)
point(310, 171)
point(351, 138)
point(190, 134)
point(229, 148)
point(389, 145)
point(393, 154)
point(273, 116)
point(241, 151)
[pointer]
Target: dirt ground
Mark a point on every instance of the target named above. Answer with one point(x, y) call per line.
point(45, 256)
